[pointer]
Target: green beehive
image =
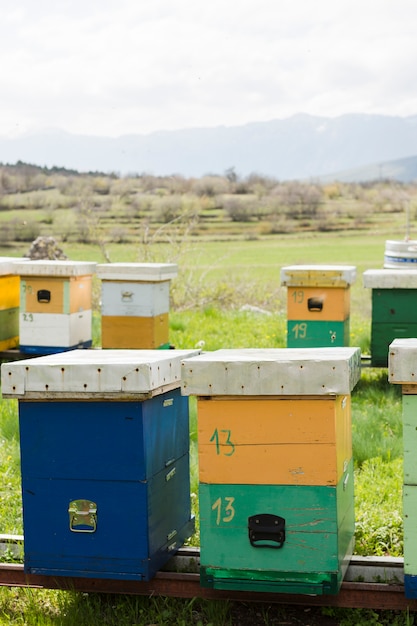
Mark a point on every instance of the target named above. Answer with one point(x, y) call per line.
point(402, 363)
point(394, 303)
point(275, 467)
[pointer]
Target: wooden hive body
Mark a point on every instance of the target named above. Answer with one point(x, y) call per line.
point(275, 468)
point(104, 439)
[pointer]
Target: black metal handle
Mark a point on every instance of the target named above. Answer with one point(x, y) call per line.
point(315, 304)
point(44, 295)
point(266, 530)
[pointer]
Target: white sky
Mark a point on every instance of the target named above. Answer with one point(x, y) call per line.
point(113, 67)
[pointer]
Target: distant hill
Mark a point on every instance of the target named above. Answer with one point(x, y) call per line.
point(299, 147)
point(401, 170)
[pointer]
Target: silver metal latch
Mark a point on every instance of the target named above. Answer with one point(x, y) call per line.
point(82, 516)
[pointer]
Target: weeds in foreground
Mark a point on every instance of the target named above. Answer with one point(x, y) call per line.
point(378, 508)
point(376, 417)
point(36, 607)
point(369, 617)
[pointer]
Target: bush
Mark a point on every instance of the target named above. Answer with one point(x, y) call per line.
point(240, 209)
point(27, 231)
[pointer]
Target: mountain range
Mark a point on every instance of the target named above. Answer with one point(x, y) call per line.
point(351, 147)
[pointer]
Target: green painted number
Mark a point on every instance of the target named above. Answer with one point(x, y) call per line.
point(298, 296)
point(225, 511)
point(227, 442)
point(27, 317)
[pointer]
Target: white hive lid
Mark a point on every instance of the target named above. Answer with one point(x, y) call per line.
point(149, 272)
point(402, 361)
point(318, 275)
point(6, 265)
point(265, 372)
point(401, 245)
point(94, 374)
point(390, 279)
point(54, 268)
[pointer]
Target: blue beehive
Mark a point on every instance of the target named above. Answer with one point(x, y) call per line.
point(105, 461)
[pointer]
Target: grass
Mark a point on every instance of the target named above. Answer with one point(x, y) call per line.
point(377, 420)
point(378, 510)
point(10, 497)
point(53, 608)
point(212, 328)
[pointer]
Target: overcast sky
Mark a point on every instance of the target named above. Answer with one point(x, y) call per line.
point(113, 67)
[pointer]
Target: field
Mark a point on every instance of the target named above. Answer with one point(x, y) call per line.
point(228, 294)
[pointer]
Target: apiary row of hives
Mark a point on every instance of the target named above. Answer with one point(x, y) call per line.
point(46, 306)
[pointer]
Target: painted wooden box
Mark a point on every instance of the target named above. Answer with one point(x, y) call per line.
point(135, 304)
point(318, 304)
point(9, 305)
point(55, 306)
point(104, 438)
point(402, 370)
point(275, 466)
point(394, 302)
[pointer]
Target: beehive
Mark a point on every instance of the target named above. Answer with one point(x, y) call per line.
point(400, 254)
point(9, 305)
point(394, 302)
point(104, 439)
point(55, 305)
point(318, 304)
point(275, 466)
point(135, 304)
point(402, 364)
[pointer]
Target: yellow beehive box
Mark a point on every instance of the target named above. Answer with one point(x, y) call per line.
point(318, 292)
point(134, 332)
point(315, 303)
point(273, 416)
point(9, 304)
point(55, 287)
point(56, 295)
point(274, 441)
point(9, 284)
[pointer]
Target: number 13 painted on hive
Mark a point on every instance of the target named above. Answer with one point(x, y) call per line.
point(227, 442)
point(228, 510)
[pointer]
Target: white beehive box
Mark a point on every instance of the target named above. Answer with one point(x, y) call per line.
point(55, 330)
point(135, 299)
point(279, 372)
point(318, 275)
point(390, 279)
point(402, 361)
point(94, 374)
point(146, 272)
